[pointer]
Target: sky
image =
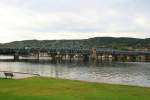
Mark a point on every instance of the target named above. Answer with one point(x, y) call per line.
point(73, 19)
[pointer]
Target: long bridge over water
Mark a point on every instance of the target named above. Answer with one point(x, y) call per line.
point(78, 54)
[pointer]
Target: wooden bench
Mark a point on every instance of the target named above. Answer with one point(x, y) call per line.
point(8, 75)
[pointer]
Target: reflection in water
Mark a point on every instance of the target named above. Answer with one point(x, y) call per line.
point(110, 72)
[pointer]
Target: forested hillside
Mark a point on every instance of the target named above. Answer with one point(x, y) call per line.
point(97, 42)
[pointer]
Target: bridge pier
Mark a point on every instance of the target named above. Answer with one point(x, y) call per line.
point(58, 57)
point(62, 57)
point(85, 57)
point(53, 56)
point(142, 58)
point(139, 58)
point(16, 57)
point(106, 57)
point(71, 57)
point(115, 58)
point(120, 58)
point(79, 57)
point(133, 58)
point(38, 56)
point(124, 58)
point(93, 55)
point(147, 58)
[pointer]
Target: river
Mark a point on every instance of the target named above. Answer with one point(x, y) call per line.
point(129, 73)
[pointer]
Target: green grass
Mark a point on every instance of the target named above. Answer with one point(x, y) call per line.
point(58, 89)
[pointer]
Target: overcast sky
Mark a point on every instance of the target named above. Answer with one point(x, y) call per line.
point(73, 19)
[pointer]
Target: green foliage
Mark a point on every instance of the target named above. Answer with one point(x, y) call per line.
point(98, 42)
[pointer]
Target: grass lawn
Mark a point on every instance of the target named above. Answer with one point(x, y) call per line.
point(58, 89)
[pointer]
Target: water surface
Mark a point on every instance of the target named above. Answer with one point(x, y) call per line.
point(133, 73)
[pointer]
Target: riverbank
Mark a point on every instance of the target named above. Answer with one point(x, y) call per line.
point(38, 88)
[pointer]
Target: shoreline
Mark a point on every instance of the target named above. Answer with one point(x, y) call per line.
point(86, 81)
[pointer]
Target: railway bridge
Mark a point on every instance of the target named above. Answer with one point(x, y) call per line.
point(76, 54)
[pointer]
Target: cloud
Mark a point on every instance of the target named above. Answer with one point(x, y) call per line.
point(72, 19)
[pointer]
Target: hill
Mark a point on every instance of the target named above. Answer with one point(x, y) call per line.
point(97, 42)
